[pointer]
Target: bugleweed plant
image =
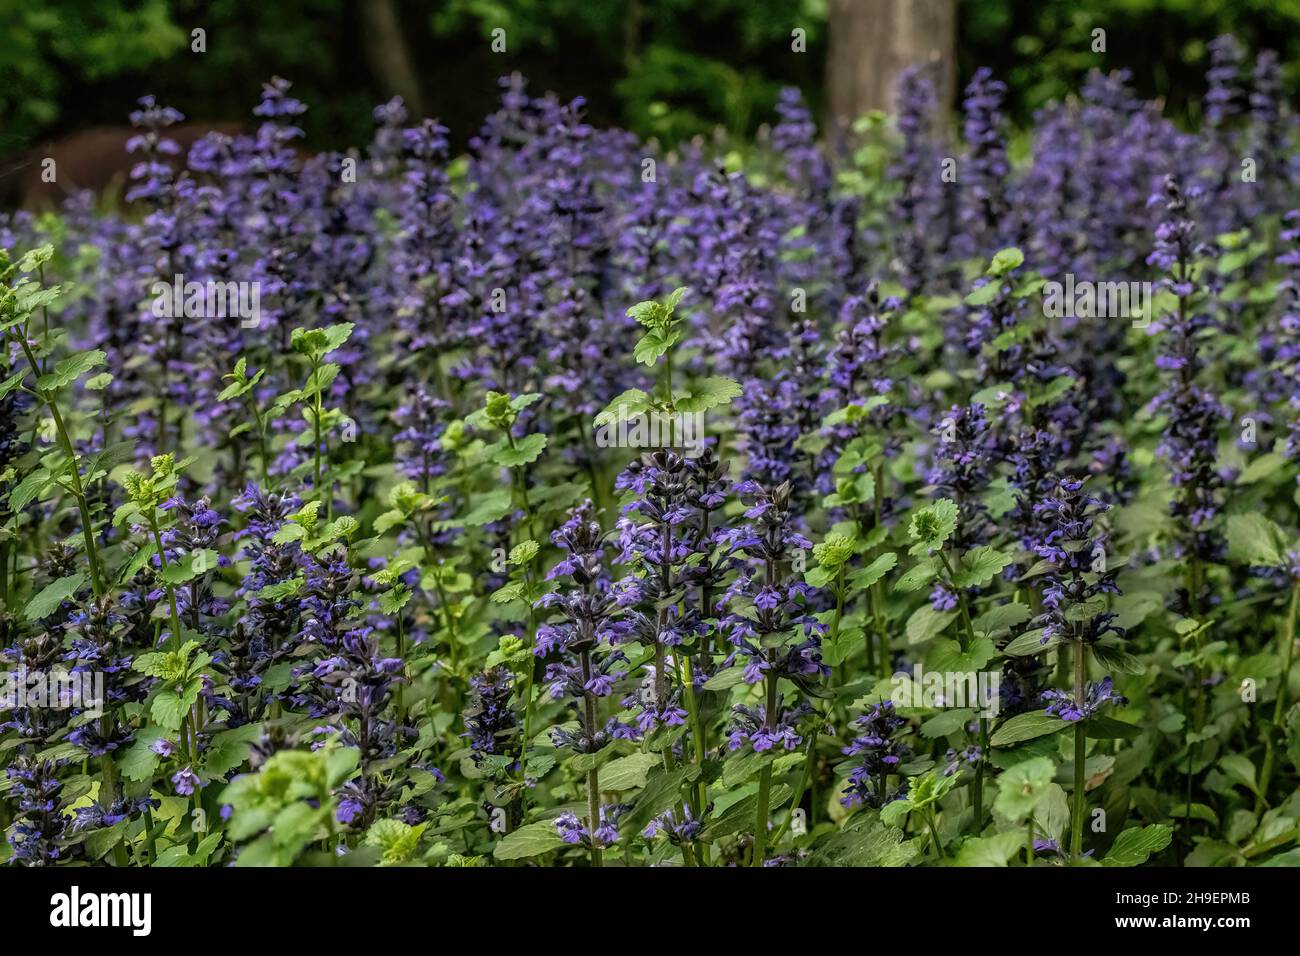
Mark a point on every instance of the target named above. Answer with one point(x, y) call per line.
point(576, 504)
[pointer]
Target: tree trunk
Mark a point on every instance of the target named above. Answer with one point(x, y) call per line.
point(385, 46)
point(872, 40)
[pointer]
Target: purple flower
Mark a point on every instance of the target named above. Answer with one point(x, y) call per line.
point(186, 781)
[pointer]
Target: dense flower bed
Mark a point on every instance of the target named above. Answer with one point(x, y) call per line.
point(871, 500)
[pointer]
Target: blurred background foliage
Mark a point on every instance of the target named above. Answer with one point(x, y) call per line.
point(669, 68)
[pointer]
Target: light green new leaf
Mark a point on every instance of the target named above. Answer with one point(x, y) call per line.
point(710, 393)
point(630, 404)
point(168, 710)
point(979, 566)
point(651, 346)
point(525, 451)
point(933, 525)
point(863, 578)
point(1005, 260)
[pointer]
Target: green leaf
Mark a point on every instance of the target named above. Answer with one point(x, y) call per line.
point(336, 335)
point(389, 519)
point(996, 850)
point(710, 393)
point(394, 599)
point(289, 533)
point(190, 566)
point(863, 578)
point(1022, 727)
point(33, 259)
point(725, 679)
point(1022, 787)
point(630, 404)
point(320, 379)
point(491, 507)
point(138, 762)
point(834, 550)
point(533, 839)
point(512, 591)
point(660, 792)
point(1239, 769)
point(1001, 618)
point(12, 382)
point(1133, 846)
point(525, 451)
point(654, 344)
point(948, 656)
point(1261, 468)
point(179, 854)
point(979, 567)
point(168, 710)
point(229, 748)
point(280, 590)
point(1102, 727)
point(917, 577)
point(933, 525)
point(1256, 541)
point(1006, 260)
point(52, 595)
point(926, 623)
point(522, 553)
point(1030, 642)
point(948, 722)
point(1117, 659)
point(984, 294)
point(649, 314)
point(70, 369)
point(628, 773)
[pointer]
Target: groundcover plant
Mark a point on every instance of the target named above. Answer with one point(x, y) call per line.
point(898, 498)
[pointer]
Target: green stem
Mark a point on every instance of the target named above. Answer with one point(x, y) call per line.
point(263, 456)
point(934, 833)
point(969, 628)
point(78, 491)
point(809, 759)
point(521, 480)
point(316, 469)
point(762, 811)
point(700, 796)
point(1283, 692)
point(171, 592)
point(1282, 839)
point(1080, 753)
point(401, 655)
point(593, 775)
point(593, 813)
